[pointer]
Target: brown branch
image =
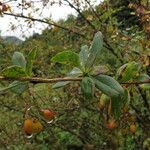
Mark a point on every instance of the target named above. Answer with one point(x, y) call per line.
point(39, 80)
point(137, 82)
point(47, 80)
point(46, 22)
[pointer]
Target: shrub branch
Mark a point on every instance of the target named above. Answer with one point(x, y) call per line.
point(53, 80)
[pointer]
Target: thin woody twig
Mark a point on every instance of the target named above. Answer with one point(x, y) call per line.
point(137, 82)
point(46, 22)
point(47, 80)
point(39, 80)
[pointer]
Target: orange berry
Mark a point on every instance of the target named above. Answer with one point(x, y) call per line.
point(48, 115)
point(28, 126)
point(133, 128)
point(37, 126)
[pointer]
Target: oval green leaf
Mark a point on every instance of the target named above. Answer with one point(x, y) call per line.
point(67, 57)
point(108, 85)
point(19, 60)
point(87, 87)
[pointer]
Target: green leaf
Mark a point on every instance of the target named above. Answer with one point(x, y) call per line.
point(108, 85)
point(19, 60)
point(128, 71)
point(83, 56)
point(112, 88)
point(67, 57)
point(18, 87)
point(13, 71)
point(30, 60)
point(60, 84)
point(87, 87)
point(117, 103)
point(10, 87)
point(95, 49)
point(6, 88)
point(76, 72)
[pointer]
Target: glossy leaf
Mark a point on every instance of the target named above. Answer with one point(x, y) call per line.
point(67, 57)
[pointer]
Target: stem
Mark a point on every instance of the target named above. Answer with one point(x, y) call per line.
point(46, 22)
point(39, 80)
point(47, 80)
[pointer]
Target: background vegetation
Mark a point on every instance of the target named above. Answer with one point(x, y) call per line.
point(82, 123)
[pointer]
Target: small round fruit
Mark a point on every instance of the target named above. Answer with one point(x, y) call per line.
point(48, 115)
point(111, 124)
point(37, 126)
point(133, 128)
point(28, 126)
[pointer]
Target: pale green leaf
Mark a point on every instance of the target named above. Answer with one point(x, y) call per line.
point(18, 59)
point(95, 49)
point(83, 55)
point(76, 72)
point(30, 60)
